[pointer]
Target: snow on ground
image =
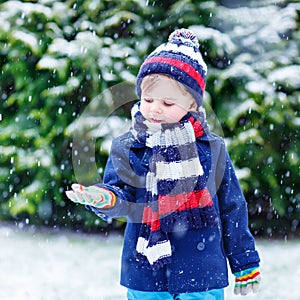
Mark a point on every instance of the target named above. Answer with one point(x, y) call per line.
point(58, 266)
point(40, 265)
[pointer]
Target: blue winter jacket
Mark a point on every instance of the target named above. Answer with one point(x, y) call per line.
point(199, 257)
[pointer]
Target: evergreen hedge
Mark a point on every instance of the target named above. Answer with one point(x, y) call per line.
point(57, 56)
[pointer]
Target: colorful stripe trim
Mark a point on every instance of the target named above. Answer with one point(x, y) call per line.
point(248, 277)
point(181, 66)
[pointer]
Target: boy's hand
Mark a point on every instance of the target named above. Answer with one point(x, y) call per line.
point(247, 281)
point(92, 195)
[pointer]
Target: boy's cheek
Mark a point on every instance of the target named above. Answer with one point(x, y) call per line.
point(143, 109)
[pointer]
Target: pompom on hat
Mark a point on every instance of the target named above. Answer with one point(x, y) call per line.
point(180, 59)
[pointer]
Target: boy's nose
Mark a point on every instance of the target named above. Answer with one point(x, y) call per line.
point(156, 107)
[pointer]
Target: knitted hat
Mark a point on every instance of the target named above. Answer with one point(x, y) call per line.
point(180, 59)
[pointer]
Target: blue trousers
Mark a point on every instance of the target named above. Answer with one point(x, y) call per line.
point(209, 295)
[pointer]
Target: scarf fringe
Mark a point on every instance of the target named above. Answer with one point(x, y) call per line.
point(143, 260)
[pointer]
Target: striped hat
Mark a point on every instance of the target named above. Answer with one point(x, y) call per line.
point(180, 59)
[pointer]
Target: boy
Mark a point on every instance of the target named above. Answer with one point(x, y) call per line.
point(174, 181)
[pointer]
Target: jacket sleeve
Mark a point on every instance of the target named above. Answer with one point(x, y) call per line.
point(239, 243)
point(120, 178)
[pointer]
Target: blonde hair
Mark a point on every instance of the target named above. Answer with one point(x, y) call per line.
point(151, 80)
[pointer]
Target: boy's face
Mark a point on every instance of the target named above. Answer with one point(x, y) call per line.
point(164, 101)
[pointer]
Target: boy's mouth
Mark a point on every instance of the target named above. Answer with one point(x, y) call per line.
point(153, 120)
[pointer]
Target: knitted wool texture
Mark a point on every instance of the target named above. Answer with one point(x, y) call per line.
point(180, 59)
point(247, 277)
point(177, 197)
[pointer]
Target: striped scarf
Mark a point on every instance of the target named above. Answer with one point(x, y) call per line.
point(177, 197)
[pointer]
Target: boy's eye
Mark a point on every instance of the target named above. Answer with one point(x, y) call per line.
point(168, 103)
point(148, 100)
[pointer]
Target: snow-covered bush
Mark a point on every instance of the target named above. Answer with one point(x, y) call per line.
point(57, 56)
